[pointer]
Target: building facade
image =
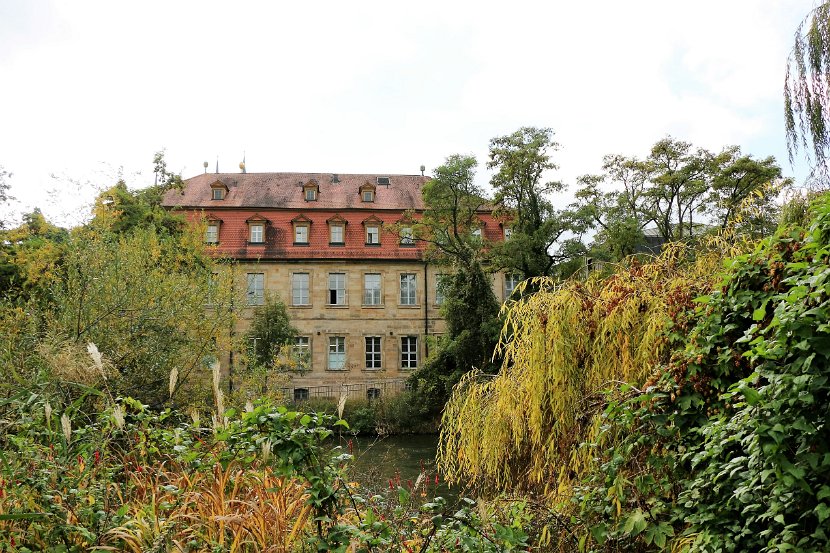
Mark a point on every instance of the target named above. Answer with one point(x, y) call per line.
point(363, 298)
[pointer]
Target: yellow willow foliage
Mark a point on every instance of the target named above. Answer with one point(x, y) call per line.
point(562, 347)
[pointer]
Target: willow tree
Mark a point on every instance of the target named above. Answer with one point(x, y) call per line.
point(807, 88)
point(563, 347)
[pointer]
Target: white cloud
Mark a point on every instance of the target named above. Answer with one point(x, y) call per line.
point(376, 86)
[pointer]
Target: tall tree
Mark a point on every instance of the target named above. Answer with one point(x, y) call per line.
point(744, 184)
point(452, 202)
point(540, 234)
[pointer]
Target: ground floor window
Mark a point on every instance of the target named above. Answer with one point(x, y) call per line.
point(373, 352)
point(300, 394)
point(373, 393)
point(337, 353)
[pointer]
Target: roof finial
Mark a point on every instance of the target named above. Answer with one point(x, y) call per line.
point(217, 164)
point(205, 165)
point(242, 165)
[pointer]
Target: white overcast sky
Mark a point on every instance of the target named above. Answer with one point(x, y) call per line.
point(91, 88)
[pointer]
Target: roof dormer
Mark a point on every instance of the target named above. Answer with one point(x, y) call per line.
point(256, 229)
point(311, 190)
point(337, 230)
point(367, 192)
point(218, 190)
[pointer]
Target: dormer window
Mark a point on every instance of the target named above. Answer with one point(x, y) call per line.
point(367, 192)
point(212, 232)
point(218, 190)
point(302, 226)
point(337, 231)
point(372, 226)
point(310, 191)
point(257, 233)
point(256, 230)
point(407, 237)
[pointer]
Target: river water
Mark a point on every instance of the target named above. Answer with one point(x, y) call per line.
point(383, 462)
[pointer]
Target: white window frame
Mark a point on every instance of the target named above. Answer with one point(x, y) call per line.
point(311, 194)
point(217, 194)
point(373, 234)
point(255, 291)
point(301, 234)
point(212, 233)
point(337, 284)
point(511, 280)
point(508, 232)
point(256, 230)
point(477, 233)
point(368, 195)
point(409, 352)
point(337, 228)
point(373, 295)
point(409, 289)
point(300, 295)
point(373, 350)
point(337, 353)
point(407, 238)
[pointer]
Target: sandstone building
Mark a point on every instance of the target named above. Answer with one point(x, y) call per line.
point(365, 301)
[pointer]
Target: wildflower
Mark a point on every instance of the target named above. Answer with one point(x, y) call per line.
point(66, 426)
point(96, 358)
point(174, 379)
point(118, 416)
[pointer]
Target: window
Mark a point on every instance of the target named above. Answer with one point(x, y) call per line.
point(337, 288)
point(406, 236)
point(336, 234)
point(477, 233)
point(508, 232)
point(337, 353)
point(311, 194)
point(383, 180)
point(299, 289)
point(441, 283)
point(408, 283)
point(371, 289)
point(368, 196)
point(373, 352)
point(510, 282)
point(256, 289)
point(212, 233)
point(300, 394)
point(409, 352)
point(301, 351)
point(301, 234)
point(373, 393)
point(372, 235)
point(218, 193)
point(257, 233)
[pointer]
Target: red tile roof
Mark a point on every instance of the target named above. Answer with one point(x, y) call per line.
point(284, 191)
point(278, 199)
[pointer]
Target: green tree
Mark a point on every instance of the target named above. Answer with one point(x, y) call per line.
point(270, 330)
point(742, 184)
point(542, 237)
point(141, 297)
point(452, 206)
point(452, 203)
